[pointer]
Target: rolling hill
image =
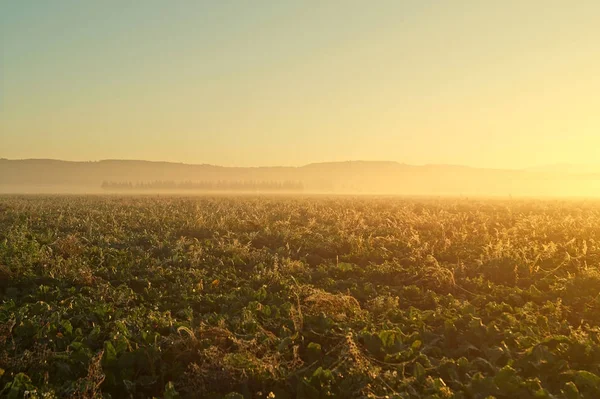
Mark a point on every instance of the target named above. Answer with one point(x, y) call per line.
point(367, 177)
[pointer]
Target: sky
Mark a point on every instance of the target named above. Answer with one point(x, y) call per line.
point(502, 84)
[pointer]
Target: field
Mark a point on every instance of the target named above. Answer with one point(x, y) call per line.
point(307, 297)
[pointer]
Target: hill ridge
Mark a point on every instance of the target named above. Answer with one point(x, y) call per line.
point(355, 176)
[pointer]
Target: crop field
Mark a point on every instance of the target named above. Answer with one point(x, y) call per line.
point(298, 297)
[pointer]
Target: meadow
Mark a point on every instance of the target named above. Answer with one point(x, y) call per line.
point(298, 297)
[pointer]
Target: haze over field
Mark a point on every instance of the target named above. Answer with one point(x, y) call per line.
point(303, 87)
point(51, 176)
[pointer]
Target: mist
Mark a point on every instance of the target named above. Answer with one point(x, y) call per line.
point(356, 177)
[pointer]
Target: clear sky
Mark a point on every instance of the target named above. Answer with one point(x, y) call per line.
point(508, 83)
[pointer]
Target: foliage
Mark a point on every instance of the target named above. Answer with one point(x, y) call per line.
point(298, 297)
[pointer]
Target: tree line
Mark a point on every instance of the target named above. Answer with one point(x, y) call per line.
point(220, 185)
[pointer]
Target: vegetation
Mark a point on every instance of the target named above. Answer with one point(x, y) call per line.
point(247, 297)
point(219, 185)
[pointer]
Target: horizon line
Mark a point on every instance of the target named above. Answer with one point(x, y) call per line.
point(296, 166)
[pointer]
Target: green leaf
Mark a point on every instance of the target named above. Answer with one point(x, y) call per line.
point(19, 384)
point(322, 375)
point(313, 351)
point(419, 371)
point(462, 362)
point(507, 379)
point(170, 392)
point(570, 391)
point(67, 327)
point(587, 382)
point(110, 354)
point(388, 337)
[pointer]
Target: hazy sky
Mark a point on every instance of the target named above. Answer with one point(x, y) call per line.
point(508, 83)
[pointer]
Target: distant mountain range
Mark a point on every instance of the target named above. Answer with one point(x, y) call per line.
point(54, 176)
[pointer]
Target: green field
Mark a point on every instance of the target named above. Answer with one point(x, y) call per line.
point(262, 297)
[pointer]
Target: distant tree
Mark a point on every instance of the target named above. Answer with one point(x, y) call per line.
point(220, 185)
